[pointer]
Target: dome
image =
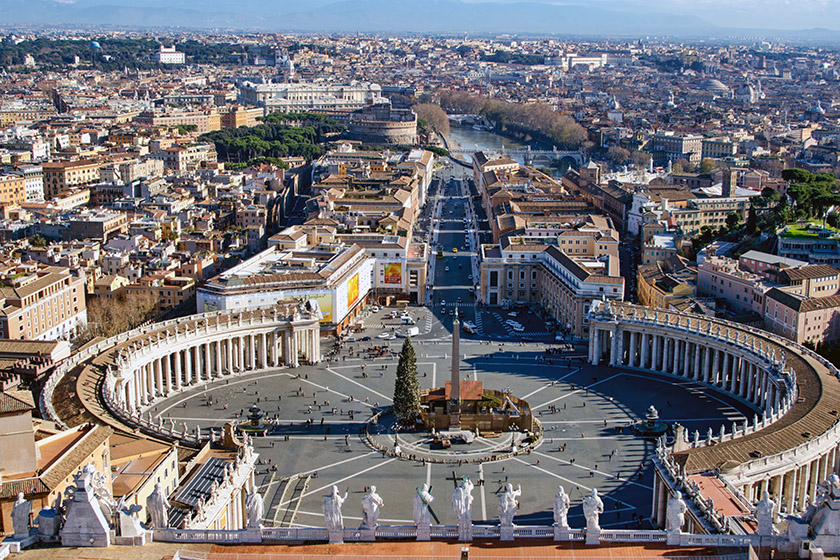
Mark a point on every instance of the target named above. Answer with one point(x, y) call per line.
point(818, 108)
point(714, 86)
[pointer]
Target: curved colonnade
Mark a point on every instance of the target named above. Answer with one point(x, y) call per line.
point(790, 446)
point(165, 359)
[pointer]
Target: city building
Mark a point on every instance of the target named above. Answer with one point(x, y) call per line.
point(810, 243)
point(168, 55)
point(298, 97)
point(339, 277)
point(12, 190)
point(61, 175)
point(562, 275)
point(669, 146)
point(41, 302)
point(40, 461)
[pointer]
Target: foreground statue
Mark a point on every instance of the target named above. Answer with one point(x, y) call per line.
point(561, 508)
point(462, 506)
point(422, 502)
point(675, 513)
point(593, 507)
point(332, 510)
point(371, 502)
point(764, 511)
point(20, 517)
point(255, 509)
point(508, 504)
point(158, 507)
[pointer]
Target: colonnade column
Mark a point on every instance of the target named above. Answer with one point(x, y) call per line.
point(177, 357)
point(645, 350)
point(695, 374)
point(631, 356)
point(686, 359)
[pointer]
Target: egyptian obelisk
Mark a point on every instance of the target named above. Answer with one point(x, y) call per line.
point(455, 379)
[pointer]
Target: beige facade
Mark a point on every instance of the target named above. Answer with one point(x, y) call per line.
point(563, 284)
point(42, 303)
point(61, 175)
point(12, 190)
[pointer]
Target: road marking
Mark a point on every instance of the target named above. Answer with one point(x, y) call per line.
point(525, 397)
point(606, 475)
point(358, 384)
point(368, 454)
point(577, 485)
point(577, 391)
point(339, 481)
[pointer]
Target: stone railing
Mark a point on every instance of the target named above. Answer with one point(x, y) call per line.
point(703, 510)
point(449, 532)
point(802, 453)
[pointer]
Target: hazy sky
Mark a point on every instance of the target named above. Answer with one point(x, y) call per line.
point(775, 14)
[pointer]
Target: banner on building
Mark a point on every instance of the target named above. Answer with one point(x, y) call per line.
point(393, 273)
point(352, 290)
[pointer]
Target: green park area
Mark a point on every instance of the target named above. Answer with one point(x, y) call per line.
point(807, 231)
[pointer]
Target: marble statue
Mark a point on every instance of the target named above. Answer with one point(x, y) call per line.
point(462, 506)
point(371, 502)
point(508, 504)
point(422, 502)
point(20, 517)
point(332, 510)
point(824, 516)
point(764, 514)
point(254, 507)
point(675, 513)
point(593, 507)
point(158, 508)
point(561, 508)
point(86, 523)
point(129, 522)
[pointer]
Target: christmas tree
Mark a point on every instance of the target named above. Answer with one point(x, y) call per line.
point(406, 387)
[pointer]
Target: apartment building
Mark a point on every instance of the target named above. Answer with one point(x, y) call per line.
point(61, 175)
point(12, 190)
point(204, 121)
point(803, 320)
point(668, 146)
point(541, 271)
point(296, 97)
point(41, 302)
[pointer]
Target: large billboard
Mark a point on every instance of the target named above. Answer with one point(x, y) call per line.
point(352, 290)
point(393, 273)
point(325, 303)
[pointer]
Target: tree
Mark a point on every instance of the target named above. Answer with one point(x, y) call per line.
point(833, 219)
point(732, 220)
point(752, 220)
point(707, 165)
point(617, 155)
point(435, 117)
point(682, 165)
point(641, 159)
point(406, 386)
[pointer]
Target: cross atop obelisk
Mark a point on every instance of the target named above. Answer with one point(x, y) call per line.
point(455, 379)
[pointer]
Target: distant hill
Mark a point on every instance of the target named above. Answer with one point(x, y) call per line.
point(396, 16)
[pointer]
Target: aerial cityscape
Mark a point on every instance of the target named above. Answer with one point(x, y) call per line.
point(451, 279)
